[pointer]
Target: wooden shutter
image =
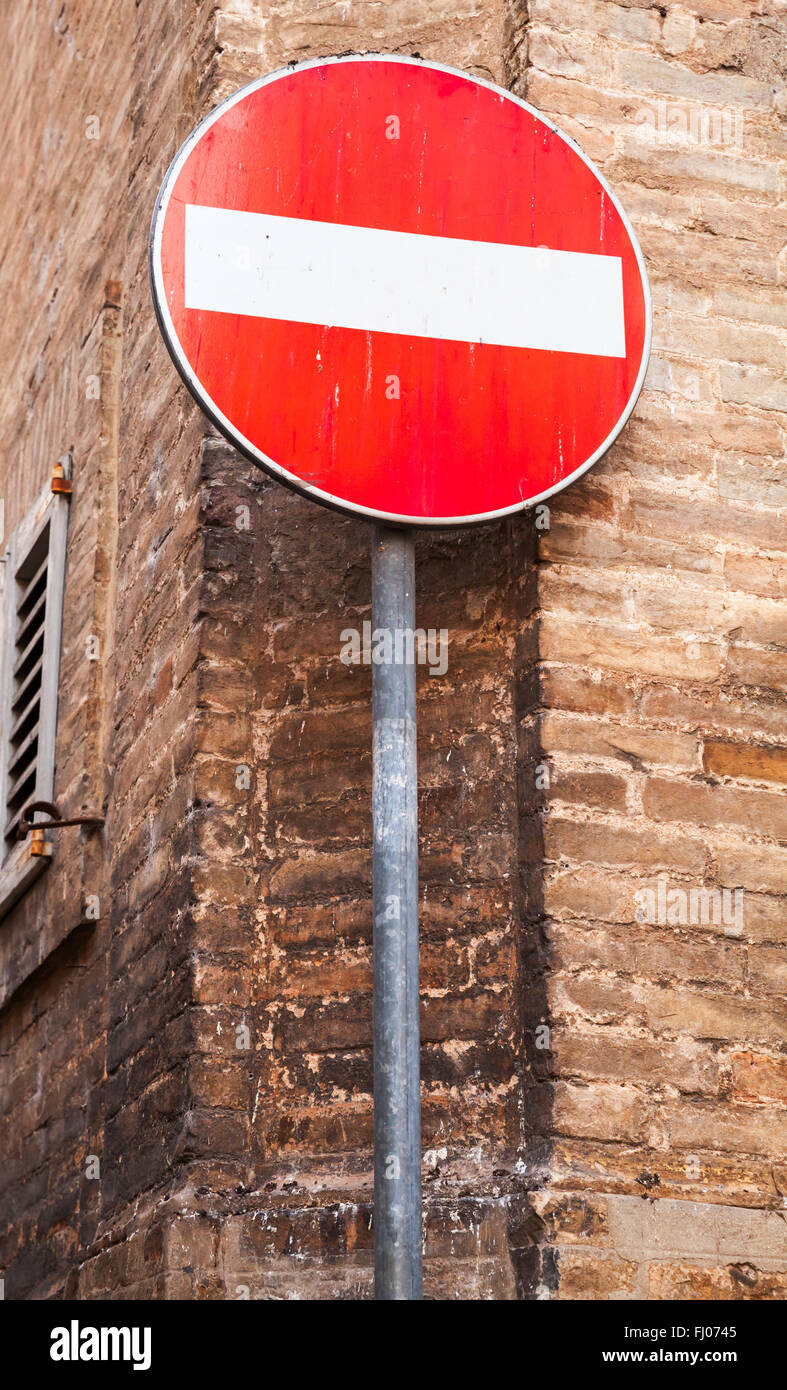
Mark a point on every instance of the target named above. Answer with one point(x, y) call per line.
point(33, 582)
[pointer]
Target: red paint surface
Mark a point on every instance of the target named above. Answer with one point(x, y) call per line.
point(477, 428)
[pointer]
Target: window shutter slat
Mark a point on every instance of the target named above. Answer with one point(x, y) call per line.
point(25, 750)
point(33, 624)
point(36, 586)
point(28, 692)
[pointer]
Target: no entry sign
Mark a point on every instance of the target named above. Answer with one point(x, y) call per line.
point(400, 290)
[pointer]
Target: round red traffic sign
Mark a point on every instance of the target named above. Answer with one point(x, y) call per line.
point(400, 290)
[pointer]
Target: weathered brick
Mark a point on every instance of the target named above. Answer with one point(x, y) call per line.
point(705, 1125)
point(763, 764)
point(762, 870)
point(602, 1111)
point(620, 741)
point(595, 843)
point(755, 573)
point(605, 1057)
point(696, 803)
point(730, 1283)
point(600, 789)
point(768, 970)
point(750, 386)
point(749, 665)
point(627, 649)
point(655, 514)
point(714, 712)
point(685, 954)
point(595, 1275)
point(757, 1076)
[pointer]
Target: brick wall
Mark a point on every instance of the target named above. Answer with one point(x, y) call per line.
point(94, 1028)
point(603, 1091)
point(661, 632)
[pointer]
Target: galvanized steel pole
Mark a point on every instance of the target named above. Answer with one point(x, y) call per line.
point(397, 1101)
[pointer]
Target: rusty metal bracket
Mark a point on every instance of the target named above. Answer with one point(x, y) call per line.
point(39, 847)
point(27, 825)
point(61, 483)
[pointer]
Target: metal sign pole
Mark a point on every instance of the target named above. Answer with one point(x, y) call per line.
point(397, 1101)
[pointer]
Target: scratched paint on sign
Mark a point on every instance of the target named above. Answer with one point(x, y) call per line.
point(303, 261)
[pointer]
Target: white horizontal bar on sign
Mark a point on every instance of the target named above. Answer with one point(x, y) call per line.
point(401, 282)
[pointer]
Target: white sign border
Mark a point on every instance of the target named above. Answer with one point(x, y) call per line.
point(245, 446)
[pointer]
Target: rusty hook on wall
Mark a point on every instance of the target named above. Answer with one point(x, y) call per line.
point(26, 824)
